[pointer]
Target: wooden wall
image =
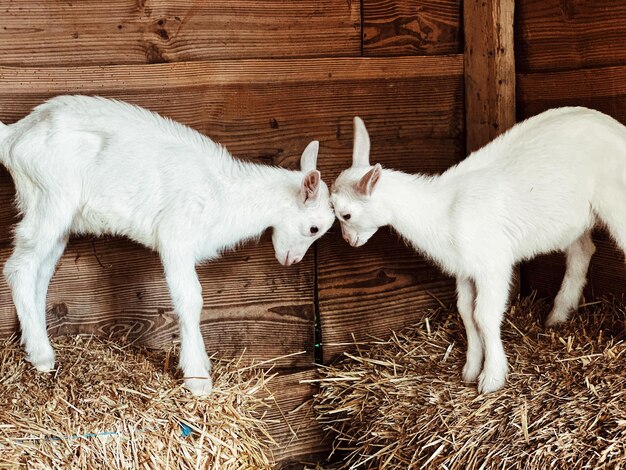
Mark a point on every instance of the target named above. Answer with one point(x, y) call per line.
point(431, 78)
point(573, 52)
point(263, 78)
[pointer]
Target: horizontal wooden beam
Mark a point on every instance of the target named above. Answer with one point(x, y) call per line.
point(223, 72)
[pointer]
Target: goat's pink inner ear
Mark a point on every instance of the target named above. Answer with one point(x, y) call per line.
point(311, 186)
point(368, 182)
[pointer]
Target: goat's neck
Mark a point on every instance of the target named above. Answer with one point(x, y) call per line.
point(419, 210)
point(259, 192)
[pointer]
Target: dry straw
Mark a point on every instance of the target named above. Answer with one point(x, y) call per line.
point(111, 406)
point(400, 403)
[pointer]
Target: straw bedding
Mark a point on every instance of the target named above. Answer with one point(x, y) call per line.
point(111, 406)
point(400, 403)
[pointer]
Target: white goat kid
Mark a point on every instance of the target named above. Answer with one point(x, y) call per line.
point(88, 165)
point(538, 188)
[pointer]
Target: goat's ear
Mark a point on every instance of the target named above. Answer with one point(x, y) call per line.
point(308, 161)
point(369, 180)
point(361, 150)
point(310, 189)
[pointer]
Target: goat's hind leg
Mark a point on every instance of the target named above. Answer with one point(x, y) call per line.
point(466, 296)
point(36, 242)
point(578, 256)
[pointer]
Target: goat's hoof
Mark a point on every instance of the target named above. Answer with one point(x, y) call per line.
point(488, 383)
point(199, 387)
point(555, 319)
point(470, 372)
point(43, 362)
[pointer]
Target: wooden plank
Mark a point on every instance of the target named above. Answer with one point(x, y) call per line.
point(489, 70)
point(106, 32)
point(263, 110)
point(8, 215)
point(411, 27)
point(370, 291)
point(552, 35)
point(292, 421)
point(603, 89)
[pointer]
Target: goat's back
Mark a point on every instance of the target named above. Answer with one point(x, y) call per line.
point(119, 167)
point(541, 184)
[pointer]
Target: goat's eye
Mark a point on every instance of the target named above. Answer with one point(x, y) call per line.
point(346, 217)
point(314, 229)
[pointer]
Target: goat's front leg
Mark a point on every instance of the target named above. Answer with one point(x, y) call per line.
point(466, 296)
point(492, 292)
point(186, 293)
point(578, 256)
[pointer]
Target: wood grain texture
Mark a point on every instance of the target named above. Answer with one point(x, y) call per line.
point(370, 291)
point(262, 110)
point(552, 35)
point(489, 70)
point(599, 88)
point(8, 215)
point(292, 422)
point(602, 88)
point(106, 32)
point(411, 27)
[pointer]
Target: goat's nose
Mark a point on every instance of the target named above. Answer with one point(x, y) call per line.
point(346, 238)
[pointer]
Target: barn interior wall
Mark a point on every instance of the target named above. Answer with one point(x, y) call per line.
point(262, 78)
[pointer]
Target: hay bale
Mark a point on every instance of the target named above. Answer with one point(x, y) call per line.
point(400, 403)
point(112, 406)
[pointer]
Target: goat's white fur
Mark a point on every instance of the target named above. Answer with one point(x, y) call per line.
point(538, 188)
point(88, 165)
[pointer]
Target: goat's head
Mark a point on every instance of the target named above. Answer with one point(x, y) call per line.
point(308, 218)
point(353, 196)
